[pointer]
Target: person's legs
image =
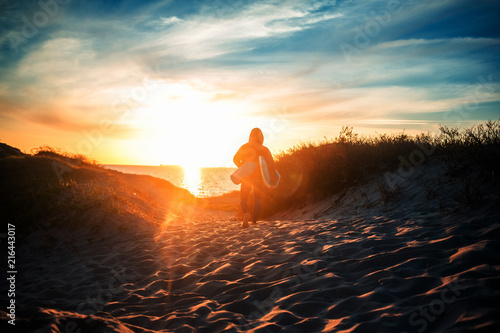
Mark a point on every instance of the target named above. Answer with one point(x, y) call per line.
point(257, 194)
point(245, 192)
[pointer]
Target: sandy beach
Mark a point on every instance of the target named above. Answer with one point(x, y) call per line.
point(250, 166)
point(350, 263)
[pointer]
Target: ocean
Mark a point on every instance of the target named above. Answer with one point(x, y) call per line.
point(201, 182)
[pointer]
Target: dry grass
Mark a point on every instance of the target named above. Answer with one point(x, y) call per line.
point(50, 188)
point(315, 171)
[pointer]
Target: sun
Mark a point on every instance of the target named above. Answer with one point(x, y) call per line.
point(184, 126)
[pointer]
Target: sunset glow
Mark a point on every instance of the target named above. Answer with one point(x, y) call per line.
point(174, 82)
point(192, 180)
point(182, 125)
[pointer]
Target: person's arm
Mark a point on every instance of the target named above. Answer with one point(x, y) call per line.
point(238, 158)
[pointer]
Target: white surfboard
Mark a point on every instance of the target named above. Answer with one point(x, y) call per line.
point(242, 172)
point(264, 170)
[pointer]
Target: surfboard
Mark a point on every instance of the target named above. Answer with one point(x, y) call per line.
point(242, 172)
point(266, 177)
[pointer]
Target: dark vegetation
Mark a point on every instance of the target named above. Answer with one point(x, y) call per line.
point(315, 171)
point(51, 188)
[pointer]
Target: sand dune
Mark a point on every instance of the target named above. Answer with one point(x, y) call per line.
point(347, 274)
point(348, 264)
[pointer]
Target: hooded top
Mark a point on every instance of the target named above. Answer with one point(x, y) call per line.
point(256, 137)
point(251, 151)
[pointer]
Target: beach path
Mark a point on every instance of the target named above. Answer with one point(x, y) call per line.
point(198, 271)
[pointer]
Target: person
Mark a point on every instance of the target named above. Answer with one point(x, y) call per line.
point(250, 152)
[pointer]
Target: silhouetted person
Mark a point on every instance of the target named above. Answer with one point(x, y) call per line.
point(250, 152)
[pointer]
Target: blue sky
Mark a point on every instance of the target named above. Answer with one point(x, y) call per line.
point(120, 80)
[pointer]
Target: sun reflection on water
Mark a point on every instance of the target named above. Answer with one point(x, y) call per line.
point(192, 180)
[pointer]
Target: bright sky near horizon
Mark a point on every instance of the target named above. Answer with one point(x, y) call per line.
point(184, 82)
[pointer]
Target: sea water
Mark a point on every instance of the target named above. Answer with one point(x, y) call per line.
point(201, 182)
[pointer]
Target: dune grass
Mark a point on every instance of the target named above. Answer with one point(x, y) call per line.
point(50, 188)
point(315, 171)
point(63, 157)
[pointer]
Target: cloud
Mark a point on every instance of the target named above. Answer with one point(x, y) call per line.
point(171, 20)
point(464, 42)
point(254, 58)
point(208, 36)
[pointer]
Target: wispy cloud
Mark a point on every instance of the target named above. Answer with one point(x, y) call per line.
point(171, 20)
point(255, 58)
point(205, 37)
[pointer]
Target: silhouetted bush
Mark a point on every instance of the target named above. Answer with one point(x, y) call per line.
point(316, 171)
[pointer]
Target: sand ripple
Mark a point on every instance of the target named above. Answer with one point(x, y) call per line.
point(370, 274)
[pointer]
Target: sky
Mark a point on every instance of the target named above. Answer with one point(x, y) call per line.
point(184, 82)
